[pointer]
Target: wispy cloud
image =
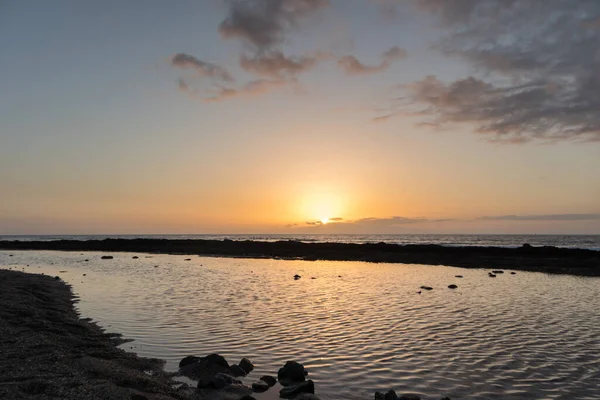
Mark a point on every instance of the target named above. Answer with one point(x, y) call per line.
point(276, 65)
point(352, 66)
point(252, 88)
point(547, 217)
point(535, 69)
point(203, 68)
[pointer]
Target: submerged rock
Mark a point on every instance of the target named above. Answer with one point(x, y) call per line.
point(135, 257)
point(452, 286)
point(291, 391)
point(204, 369)
point(513, 273)
point(296, 277)
point(426, 288)
point(458, 276)
point(246, 365)
point(291, 372)
point(106, 257)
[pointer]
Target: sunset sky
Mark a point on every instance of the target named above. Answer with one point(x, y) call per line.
point(300, 116)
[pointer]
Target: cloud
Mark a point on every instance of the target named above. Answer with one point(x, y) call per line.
point(203, 68)
point(536, 69)
point(336, 219)
point(263, 23)
point(352, 66)
point(548, 217)
point(252, 88)
point(276, 65)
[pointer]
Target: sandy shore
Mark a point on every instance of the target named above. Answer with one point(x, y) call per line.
point(526, 258)
point(49, 352)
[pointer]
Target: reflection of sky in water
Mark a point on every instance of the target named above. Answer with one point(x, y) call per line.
point(528, 335)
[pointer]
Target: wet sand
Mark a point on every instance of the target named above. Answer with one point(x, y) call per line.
point(546, 259)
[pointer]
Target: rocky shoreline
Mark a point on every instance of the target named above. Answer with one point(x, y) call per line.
point(546, 259)
point(49, 352)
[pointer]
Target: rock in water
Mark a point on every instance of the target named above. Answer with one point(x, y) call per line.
point(247, 398)
point(246, 365)
point(221, 380)
point(513, 273)
point(290, 392)
point(291, 372)
point(260, 386)
point(236, 370)
point(426, 288)
point(135, 257)
point(296, 277)
point(452, 286)
point(271, 380)
point(458, 276)
point(491, 275)
point(106, 257)
point(497, 271)
point(409, 397)
point(188, 360)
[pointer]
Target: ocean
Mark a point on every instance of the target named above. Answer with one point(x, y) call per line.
point(570, 241)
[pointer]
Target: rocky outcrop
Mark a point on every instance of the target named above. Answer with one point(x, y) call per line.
point(292, 372)
point(292, 391)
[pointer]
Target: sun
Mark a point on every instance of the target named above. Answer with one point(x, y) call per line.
point(324, 221)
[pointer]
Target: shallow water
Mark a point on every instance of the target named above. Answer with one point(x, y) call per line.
point(357, 327)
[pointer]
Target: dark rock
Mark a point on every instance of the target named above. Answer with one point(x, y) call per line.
point(135, 257)
point(291, 372)
point(491, 275)
point(446, 398)
point(236, 370)
point(86, 260)
point(271, 380)
point(426, 288)
point(84, 274)
point(246, 365)
point(57, 278)
point(526, 246)
point(290, 392)
point(188, 259)
point(106, 257)
point(10, 255)
point(260, 386)
point(452, 286)
point(513, 273)
point(221, 380)
point(497, 271)
point(306, 396)
point(188, 360)
point(248, 398)
point(409, 397)
point(458, 276)
point(390, 395)
point(138, 396)
point(216, 359)
point(204, 369)
point(296, 277)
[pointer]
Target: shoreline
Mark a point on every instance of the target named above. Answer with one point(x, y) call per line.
point(49, 351)
point(547, 259)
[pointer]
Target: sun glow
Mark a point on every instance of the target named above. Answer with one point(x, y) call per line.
point(325, 221)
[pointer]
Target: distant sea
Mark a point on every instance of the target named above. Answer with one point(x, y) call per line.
point(569, 241)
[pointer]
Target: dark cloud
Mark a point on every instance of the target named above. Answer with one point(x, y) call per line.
point(276, 65)
point(263, 23)
point(549, 217)
point(336, 219)
point(352, 66)
point(203, 68)
point(536, 69)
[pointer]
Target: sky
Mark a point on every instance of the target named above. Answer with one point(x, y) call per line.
point(300, 116)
